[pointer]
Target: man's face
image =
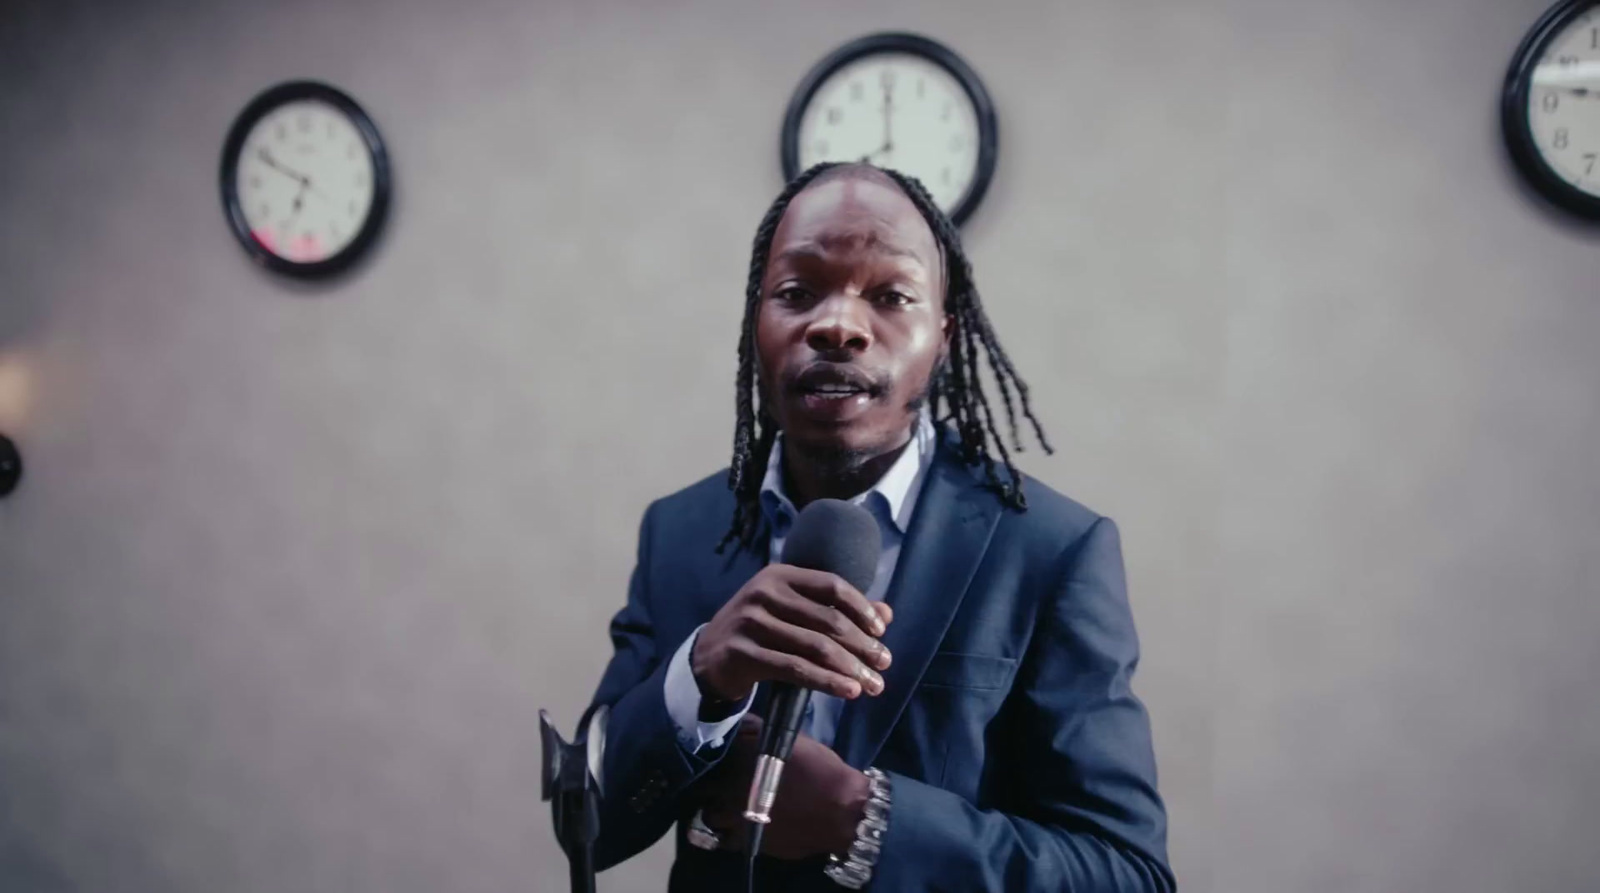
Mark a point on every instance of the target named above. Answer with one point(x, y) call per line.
point(851, 321)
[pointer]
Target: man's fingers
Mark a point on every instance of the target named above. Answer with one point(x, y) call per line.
point(818, 650)
point(785, 666)
point(830, 589)
point(833, 623)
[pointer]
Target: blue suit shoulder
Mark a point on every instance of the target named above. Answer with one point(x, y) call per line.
point(702, 509)
point(1052, 522)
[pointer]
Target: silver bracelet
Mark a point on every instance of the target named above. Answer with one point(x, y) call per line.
point(854, 870)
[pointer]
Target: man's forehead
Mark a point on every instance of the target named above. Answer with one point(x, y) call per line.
point(856, 213)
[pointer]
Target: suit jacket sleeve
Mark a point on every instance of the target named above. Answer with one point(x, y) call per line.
point(645, 768)
point(1081, 811)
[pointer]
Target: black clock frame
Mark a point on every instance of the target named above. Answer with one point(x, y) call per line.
point(10, 466)
point(1514, 122)
point(260, 107)
point(915, 44)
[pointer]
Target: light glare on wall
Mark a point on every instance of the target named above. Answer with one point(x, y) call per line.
point(16, 392)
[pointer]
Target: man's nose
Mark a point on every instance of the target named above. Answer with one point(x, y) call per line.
point(840, 324)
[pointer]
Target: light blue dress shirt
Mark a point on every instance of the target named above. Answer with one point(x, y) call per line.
point(891, 501)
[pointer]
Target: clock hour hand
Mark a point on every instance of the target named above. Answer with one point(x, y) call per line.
point(870, 156)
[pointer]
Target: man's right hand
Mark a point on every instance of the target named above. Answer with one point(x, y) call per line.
point(789, 624)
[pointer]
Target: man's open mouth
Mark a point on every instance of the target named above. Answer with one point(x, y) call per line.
point(834, 382)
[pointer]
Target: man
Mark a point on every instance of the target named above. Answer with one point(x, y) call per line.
point(974, 728)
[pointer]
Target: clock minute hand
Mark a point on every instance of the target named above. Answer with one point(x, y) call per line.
point(273, 163)
point(888, 106)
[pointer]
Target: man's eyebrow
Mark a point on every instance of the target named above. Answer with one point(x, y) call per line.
point(816, 251)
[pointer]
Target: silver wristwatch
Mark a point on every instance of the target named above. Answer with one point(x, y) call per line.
point(854, 870)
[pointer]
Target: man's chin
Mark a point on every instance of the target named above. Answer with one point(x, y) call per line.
point(839, 447)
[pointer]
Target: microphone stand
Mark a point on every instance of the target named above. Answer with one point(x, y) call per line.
point(576, 792)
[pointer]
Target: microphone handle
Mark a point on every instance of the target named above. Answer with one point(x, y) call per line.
point(785, 711)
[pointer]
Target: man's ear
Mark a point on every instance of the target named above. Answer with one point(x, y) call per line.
point(946, 327)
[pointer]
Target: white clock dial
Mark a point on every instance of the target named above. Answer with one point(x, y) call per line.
point(304, 181)
point(1564, 103)
point(900, 111)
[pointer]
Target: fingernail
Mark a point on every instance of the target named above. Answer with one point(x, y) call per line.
point(871, 680)
point(877, 625)
point(884, 657)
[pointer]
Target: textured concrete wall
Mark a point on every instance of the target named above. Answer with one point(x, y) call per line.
point(294, 568)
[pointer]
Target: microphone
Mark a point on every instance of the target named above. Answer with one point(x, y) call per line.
point(840, 538)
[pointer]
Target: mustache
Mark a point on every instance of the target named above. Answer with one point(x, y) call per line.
point(823, 373)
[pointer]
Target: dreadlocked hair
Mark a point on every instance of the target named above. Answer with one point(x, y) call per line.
point(956, 382)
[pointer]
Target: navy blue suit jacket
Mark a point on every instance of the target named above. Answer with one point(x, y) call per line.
point(1019, 757)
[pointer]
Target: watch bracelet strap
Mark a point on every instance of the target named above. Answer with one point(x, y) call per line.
point(853, 870)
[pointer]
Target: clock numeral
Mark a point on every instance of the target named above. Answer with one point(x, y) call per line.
point(856, 91)
point(944, 114)
point(1567, 61)
point(1561, 138)
point(304, 122)
point(352, 207)
point(821, 147)
point(350, 152)
point(946, 176)
point(281, 131)
point(1551, 101)
point(255, 182)
point(957, 143)
point(330, 128)
point(834, 114)
point(922, 87)
point(886, 77)
point(266, 210)
point(1594, 38)
point(1589, 157)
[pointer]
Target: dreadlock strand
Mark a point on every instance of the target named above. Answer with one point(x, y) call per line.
point(752, 437)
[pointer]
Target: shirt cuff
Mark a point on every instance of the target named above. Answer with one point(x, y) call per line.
point(683, 703)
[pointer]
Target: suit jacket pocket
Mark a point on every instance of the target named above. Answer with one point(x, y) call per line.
point(979, 672)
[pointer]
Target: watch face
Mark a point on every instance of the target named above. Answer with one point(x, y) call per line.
point(1551, 106)
point(897, 101)
point(900, 111)
point(1563, 105)
point(305, 178)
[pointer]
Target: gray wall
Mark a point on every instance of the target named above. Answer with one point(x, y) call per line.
point(294, 568)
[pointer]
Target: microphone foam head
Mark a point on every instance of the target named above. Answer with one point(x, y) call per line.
point(838, 537)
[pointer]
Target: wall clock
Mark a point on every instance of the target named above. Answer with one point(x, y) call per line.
point(899, 101)
point(305, 179)
point(1550, 107)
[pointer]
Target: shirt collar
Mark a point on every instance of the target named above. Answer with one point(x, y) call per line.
point(893, 497)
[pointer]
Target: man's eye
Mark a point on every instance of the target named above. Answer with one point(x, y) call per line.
point(792, 295)
point(894, 298)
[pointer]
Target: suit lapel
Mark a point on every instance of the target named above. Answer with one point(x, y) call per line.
point(950, 530)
